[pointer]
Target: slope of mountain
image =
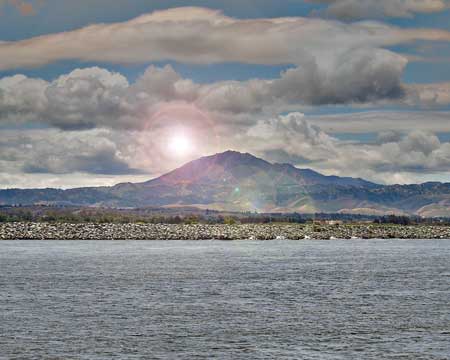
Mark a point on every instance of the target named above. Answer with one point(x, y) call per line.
point(243, 182)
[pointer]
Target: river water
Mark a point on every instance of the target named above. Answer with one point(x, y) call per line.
point(350, 299)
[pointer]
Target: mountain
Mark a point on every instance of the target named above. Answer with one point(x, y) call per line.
point(243, 182)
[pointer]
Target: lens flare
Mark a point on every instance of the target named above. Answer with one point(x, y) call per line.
point(175, 133)
point(180, 145)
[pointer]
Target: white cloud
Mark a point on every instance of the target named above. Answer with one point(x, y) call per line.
point(381, 121)
point(359, 76)
point(335, 63)
point(204, 36)
point(363, 9)
point(414, 155)
point(94, 97)
point(63, 181)
point(50, 151)
point(21, 98)
point(428, 95)
point(405, 157)
point(291, 134)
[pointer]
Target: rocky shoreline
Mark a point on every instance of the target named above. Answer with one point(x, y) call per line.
point(136, 231)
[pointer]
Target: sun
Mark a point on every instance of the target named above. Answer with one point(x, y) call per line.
point(180, 145)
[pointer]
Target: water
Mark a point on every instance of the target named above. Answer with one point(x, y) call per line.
point(357, 299)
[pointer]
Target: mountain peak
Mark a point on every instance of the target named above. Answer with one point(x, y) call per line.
point(232, 155)
point(228, 165)
point(233, 167)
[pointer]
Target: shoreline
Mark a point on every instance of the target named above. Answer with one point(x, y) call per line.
point(138, 231)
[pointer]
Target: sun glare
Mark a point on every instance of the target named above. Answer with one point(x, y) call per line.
point(180, 145)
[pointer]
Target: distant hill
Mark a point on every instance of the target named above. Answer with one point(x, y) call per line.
point(242, 182)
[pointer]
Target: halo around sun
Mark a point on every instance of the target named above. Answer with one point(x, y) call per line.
point(180, 145)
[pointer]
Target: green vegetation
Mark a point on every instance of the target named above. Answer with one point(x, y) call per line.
point(75, 215)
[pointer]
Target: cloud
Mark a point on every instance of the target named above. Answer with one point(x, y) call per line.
point(98, 98)
point(417, 152)
point(360, 76)
point(349, 67)
point(370, 9)
point(292, 134)
point(13, 180)
point(55, 152)
point(428, 95)
point(84, 98)
point(94, 97)
point(204, 36)
point(403, 157)
point(21, 98)
point(381, 121)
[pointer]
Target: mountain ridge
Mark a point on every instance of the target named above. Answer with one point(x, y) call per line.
point(230, 157)
point(242, 182)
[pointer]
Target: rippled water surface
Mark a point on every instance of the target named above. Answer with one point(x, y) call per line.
point(375, 299)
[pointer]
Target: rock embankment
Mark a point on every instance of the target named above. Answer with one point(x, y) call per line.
point(90, 231)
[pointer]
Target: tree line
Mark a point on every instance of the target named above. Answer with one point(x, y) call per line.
point(81, 215)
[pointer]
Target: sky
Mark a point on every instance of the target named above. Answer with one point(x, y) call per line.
point(98, 92)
